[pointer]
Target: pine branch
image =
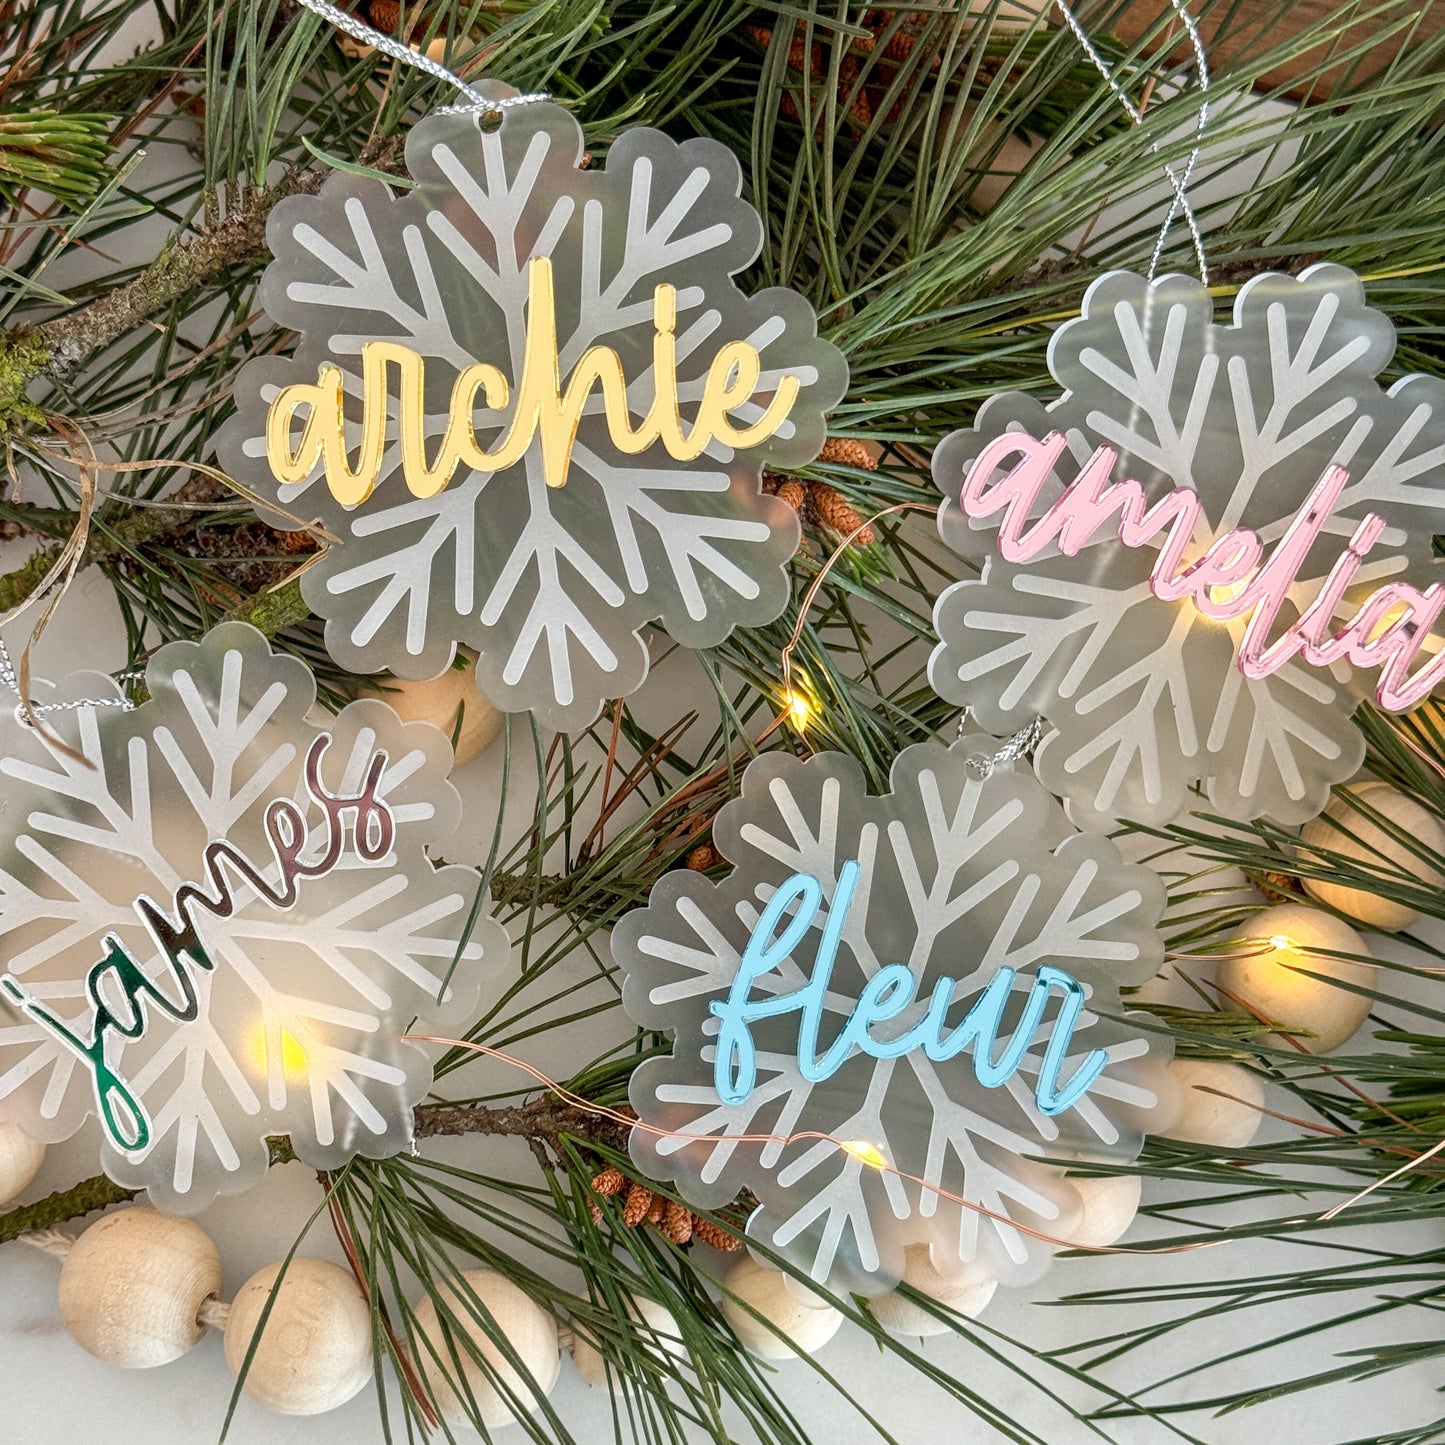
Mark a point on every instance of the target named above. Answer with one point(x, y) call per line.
point(126, 529)
point(544, 1120)
point(86, 1197)
point(57, 348)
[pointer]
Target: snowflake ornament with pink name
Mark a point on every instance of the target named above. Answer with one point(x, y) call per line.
point(1202, 546)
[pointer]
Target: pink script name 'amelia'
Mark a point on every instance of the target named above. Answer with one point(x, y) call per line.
point(1230, 579)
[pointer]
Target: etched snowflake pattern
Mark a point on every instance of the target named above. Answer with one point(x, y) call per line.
point(300, 1023)
point(1145, 698)
point(553, 586)
point(958, 878)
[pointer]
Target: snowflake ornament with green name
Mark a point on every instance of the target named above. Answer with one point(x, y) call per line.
point(219, 921)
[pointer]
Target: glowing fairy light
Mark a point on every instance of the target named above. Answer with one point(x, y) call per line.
point(862, 1150)
point(279, 1046)
point(799, 710)
point(1223, 593)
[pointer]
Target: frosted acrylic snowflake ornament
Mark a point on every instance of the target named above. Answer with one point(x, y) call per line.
point(220, 925)
point(1206, 546)
point(533, 405)
point(920, 990)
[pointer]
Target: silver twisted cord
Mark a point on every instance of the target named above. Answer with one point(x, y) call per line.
point(399, 50)
point(1023, 742)
point(10, 680)
point(1179, 183)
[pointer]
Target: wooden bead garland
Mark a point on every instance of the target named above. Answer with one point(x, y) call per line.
point(1274, 948)
point(658, 1336)
point(132, 1287)
point(20, 1161)
point(804, 1327)
point(1209, 1118)
point(139, 1288)
point(450, 702)
point(967, 1295)
point(1345, 830)
point(528, 1328)
point(314, 1351)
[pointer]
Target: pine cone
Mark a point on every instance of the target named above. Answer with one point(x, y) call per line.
point(292, 544)
point(639, 1201)
point(848, 453)
point(1280, 888)
point(700, 859)
point(656, 1209)
point(836, 513)
point(385, 15)
point(677, 1223)
point(609, 1182)
point(794, 493)
point(715, 1235)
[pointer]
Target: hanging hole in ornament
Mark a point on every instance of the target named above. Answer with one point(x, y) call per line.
point(489, 122)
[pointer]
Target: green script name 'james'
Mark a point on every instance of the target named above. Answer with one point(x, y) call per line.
point(124, 999)
point(889, 992)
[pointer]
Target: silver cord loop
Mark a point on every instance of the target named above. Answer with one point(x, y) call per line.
point(1179, 183)
point(399, 50)
point(1023, 742)
point(8, 679)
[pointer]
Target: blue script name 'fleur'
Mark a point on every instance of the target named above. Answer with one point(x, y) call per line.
point(886, 995)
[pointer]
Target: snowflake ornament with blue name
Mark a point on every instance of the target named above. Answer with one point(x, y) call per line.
point(891, 1011)
point(219, 920)
point(533, 406)
point(1207, 547)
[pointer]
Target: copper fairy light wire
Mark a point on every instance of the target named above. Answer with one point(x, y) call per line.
point(1419, 751)
point(1389, 1178)
point(806, 602)
point(866, 1153)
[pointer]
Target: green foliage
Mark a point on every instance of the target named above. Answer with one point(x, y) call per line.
point(869, 161)
point(63, 155)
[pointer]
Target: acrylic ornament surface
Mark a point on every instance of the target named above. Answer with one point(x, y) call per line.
point(552, 585)
point(958, 877)
point(301, 1010)
point(1145, 697)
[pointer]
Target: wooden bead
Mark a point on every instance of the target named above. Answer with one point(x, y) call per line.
point(1110, 1203)
point(805, 1326)
point(20, 1161)
point(1206, 1118)
point(315, 1347)
point(133, 1284)
point(966, 1295)
point(443, 700)
point(1268, 981)
point(527, 1328)
point(1364, 842)
point(658, 1336)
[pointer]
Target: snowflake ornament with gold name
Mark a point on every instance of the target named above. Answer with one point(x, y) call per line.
point(534, 407)
point(219, 920)
point(1206, 546)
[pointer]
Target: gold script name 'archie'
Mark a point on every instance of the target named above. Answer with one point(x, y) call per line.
point(543, 409)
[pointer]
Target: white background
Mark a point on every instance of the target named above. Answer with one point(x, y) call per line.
point(54, 1392)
